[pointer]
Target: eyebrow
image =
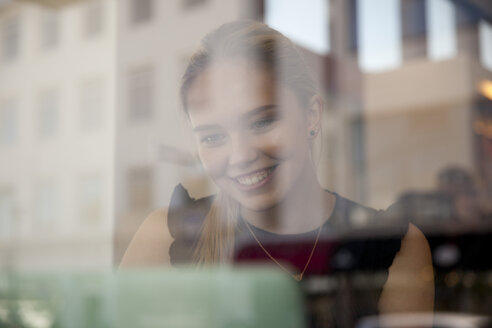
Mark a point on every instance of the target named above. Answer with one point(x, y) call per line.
point(246, 116)
point(206, 127)
point(258, 110)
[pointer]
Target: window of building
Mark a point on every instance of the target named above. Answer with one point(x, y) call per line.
point(190, 4)
point(93, 18)
point(91, 104)
point(379, 31)
point(48, 113)
point(7, 213)
point(46, 204)
point(485, 31)
point(50, 29)
point(140, 11)
point(140, 188)
point(91, 199)
point(441, 36)
point(8, 122)
point(141, 93)
point(10, 38)
point(305, 22)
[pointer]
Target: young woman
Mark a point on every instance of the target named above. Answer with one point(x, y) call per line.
point(255, 113)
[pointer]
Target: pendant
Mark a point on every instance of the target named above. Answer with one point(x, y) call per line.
point(298, 277)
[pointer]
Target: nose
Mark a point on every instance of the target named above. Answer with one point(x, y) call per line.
point(242, 151)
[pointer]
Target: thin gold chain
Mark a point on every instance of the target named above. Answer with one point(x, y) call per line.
point(299, 276)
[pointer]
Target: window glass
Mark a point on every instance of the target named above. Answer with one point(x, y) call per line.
point(140, 188)
point(379, 32)
point(140, 94)
point(485, 44)
point(93, 18)
point(50, 29)
point(7, 213)
point(441, 38)
point(92, 106)
point(48, 116)
point(245, 163)
point(141, 11)
point(189, 4)
point(11, 38)
point(313, 33)
point(91, 199)
point(9, 122)
point(46, 204)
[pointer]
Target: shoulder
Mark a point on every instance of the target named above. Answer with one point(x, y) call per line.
point(185, 219)
point(355, 216)
point(405, 253)
point(414, 255)
point(167, 236)
point(150, 244)
point(350, 214)
point(410, 284)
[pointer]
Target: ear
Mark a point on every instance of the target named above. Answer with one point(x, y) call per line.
point(314, 116)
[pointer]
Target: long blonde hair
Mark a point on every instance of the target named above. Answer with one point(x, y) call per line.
point(271, 50)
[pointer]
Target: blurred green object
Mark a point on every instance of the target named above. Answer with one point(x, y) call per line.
point(183, 298)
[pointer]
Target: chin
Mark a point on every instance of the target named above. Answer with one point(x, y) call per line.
point(261, 201)
point(259, 205)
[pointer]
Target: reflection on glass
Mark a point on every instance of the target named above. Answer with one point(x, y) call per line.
point(93, 18)
point(441, 40)
point(379, 33)
point(399, 91)
point(141, 93)
point(50, 29)
point(11, 34)
point(46, 205)
point(92, 105)
point(9, 125)
point(49, 112)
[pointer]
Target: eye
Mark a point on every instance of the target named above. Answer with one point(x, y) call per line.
point(262, 125)
point(213, 139)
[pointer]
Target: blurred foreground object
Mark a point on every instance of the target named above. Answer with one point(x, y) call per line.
point(443, 320)
point(51, 3)
point(152, 298)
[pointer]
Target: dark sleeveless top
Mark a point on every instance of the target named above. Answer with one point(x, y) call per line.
point(356, 247)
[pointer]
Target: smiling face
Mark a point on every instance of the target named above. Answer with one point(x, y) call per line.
point(252, 134)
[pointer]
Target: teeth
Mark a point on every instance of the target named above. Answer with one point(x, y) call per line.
point(254, 178)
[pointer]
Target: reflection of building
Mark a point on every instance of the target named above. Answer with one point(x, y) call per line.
point(390, 126)
point(83, 60)
point(89, 94)
point(154, 45)
point(56, 133)
point(418, 117)
point(402, 88)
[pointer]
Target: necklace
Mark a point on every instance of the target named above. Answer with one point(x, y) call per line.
point(299, 276)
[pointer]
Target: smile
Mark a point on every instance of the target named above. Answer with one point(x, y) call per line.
point(255, 179)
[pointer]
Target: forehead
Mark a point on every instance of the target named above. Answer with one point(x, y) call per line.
point(230, 88)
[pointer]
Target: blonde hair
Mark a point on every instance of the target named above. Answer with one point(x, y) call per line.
point(274, 52)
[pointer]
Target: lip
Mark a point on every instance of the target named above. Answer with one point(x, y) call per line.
point(258, 185)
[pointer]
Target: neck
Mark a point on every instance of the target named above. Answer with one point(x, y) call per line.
point(304, 208)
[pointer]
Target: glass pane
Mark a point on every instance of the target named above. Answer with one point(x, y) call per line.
point(236, 163)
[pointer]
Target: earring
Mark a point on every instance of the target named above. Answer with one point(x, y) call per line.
point(313, 133)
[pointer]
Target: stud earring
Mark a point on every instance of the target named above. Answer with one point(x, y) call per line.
point(312, 133)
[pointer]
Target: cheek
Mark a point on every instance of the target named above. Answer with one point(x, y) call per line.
point(285, 143)
point(214, 160)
